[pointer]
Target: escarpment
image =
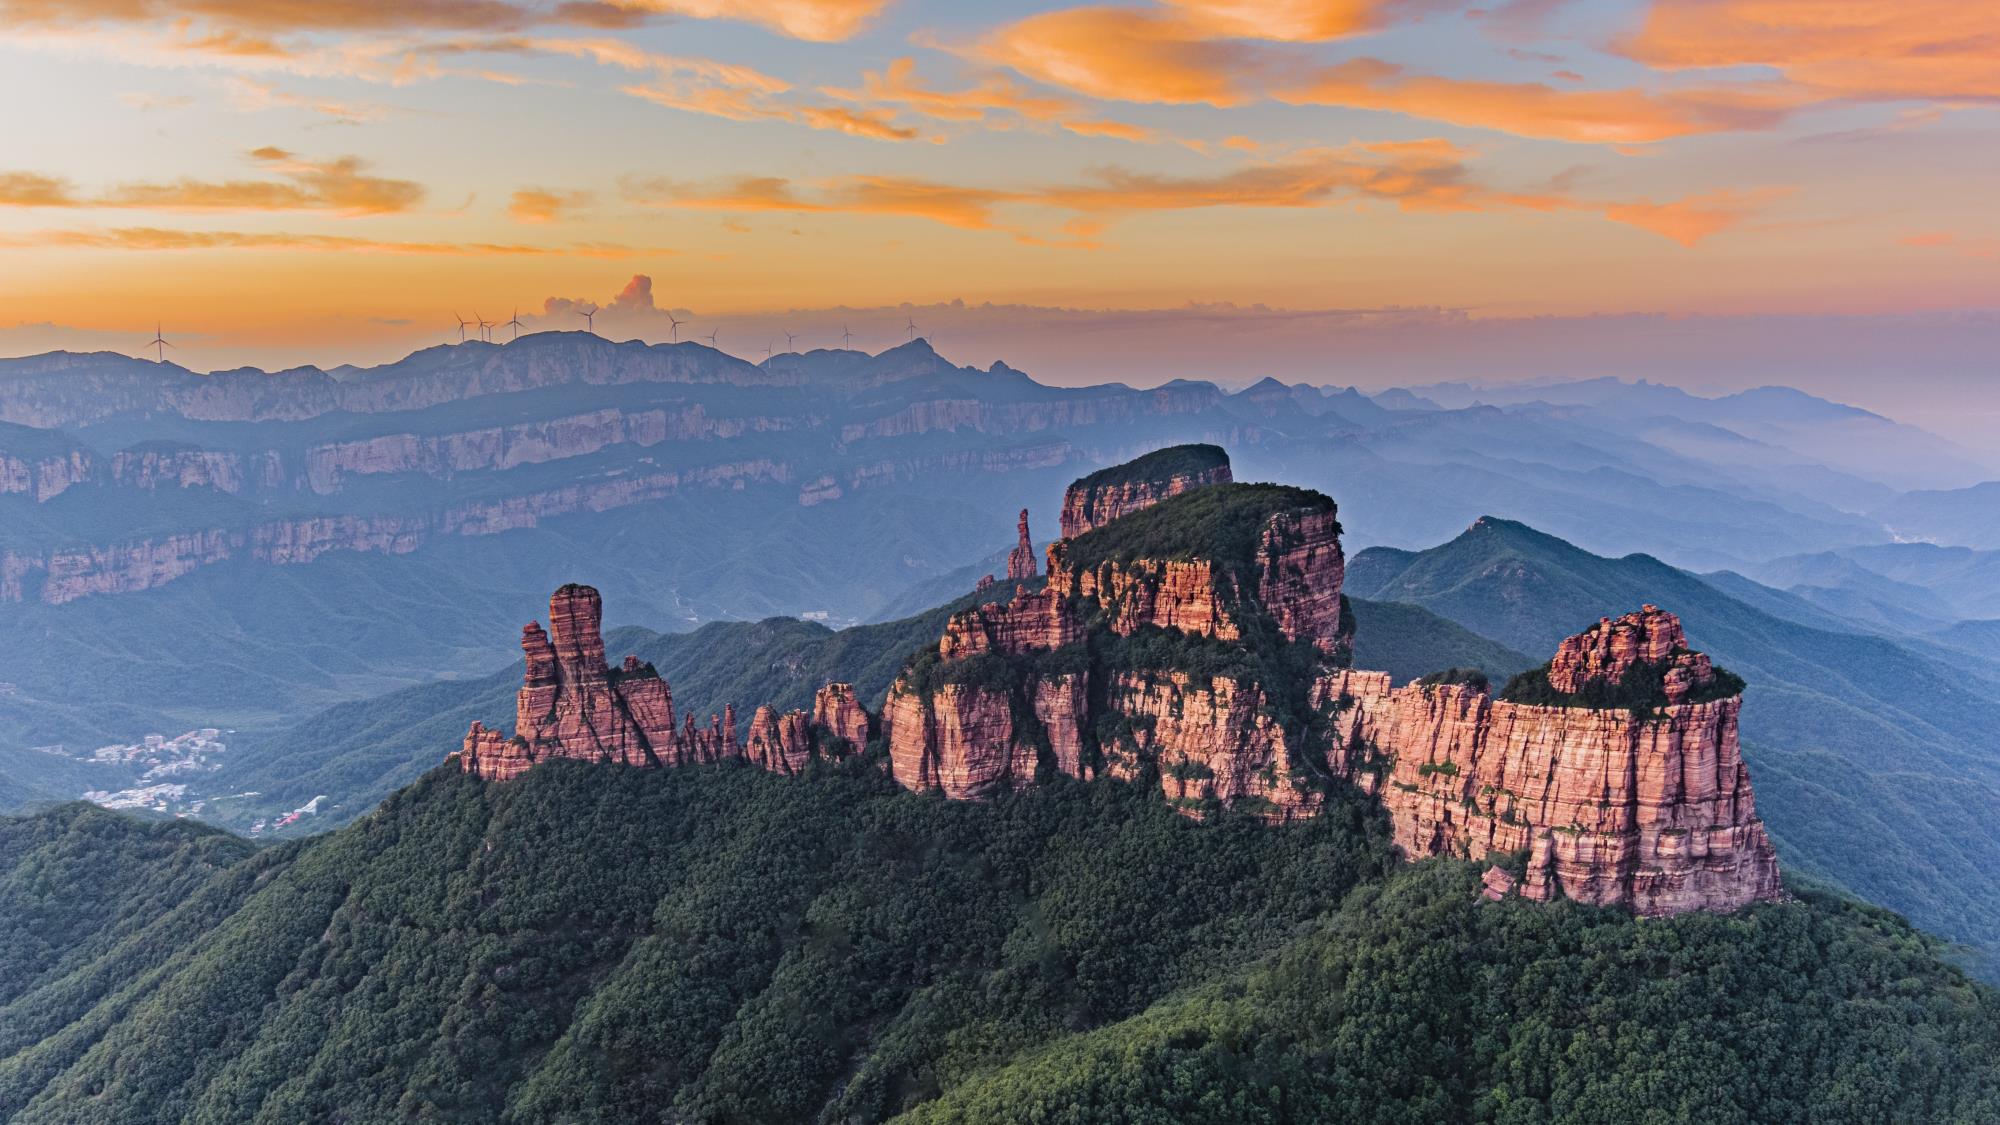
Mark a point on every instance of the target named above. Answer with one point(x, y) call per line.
point(1200, 644)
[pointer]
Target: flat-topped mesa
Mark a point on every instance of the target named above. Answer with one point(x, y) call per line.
point(1021, 560)
point(1208, 561)
point(1120, 490)
point(1638, 801)
point(574, 705)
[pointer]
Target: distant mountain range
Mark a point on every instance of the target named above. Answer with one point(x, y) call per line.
point(272, 553)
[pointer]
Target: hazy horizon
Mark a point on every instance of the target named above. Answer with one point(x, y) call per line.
point(1862, 361)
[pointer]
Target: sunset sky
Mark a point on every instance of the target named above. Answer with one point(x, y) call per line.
point(295, 181)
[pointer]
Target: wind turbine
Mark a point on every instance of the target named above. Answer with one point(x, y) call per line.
point(676, 322)
point(767, 350)
point(788, 342)
point(589, 320)
point(912, 326)
point(711, 341)
point(516, 325)
point(484, 324)
point(462, 322)
point(846, 337)
point(159, 344)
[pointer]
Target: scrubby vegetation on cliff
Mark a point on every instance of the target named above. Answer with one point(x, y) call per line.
point(1158, 467)
point(1641, 690)
point(1221, 523)
point(715, 944)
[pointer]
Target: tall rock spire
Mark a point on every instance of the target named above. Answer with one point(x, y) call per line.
point(1021, 561)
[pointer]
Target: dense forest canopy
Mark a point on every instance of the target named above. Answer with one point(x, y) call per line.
point(717, 943)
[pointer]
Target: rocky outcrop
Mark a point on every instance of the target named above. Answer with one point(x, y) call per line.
point(1100, 498)
point(780, 743)
point(1649, 641)
point(838, 711)
point(572, 704)
point(1021, 560)
point(1186, 596)
point(1614, 807)
point(1034, 621)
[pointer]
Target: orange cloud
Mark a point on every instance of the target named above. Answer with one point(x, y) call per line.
point(1534, 109)
point(231, 19)
point(728, 90)
point(1882, 49)
point(1946, 240)
point(155, 238)
point(315, 15)
point(1426, 175)
point(1298, 21)
point(252, 96)
point(538, 205)
point(335, 185)
point(1198, 51)
point(30, 189)
point(817, 20)
point(964, 207)
point(1126, 54)
point(1688, 221)
point(898, 85)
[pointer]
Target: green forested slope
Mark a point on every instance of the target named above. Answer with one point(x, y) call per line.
point(720, 944)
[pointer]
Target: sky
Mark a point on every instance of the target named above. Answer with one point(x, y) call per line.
point(1709, 191)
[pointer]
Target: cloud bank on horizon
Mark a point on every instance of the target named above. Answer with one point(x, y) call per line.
point(288, 180)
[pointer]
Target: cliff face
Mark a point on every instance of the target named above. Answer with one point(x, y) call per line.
point(1091, 503)
point(1300, 568)
point(128, 567)
point(48, 476)
point(1211, 739)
